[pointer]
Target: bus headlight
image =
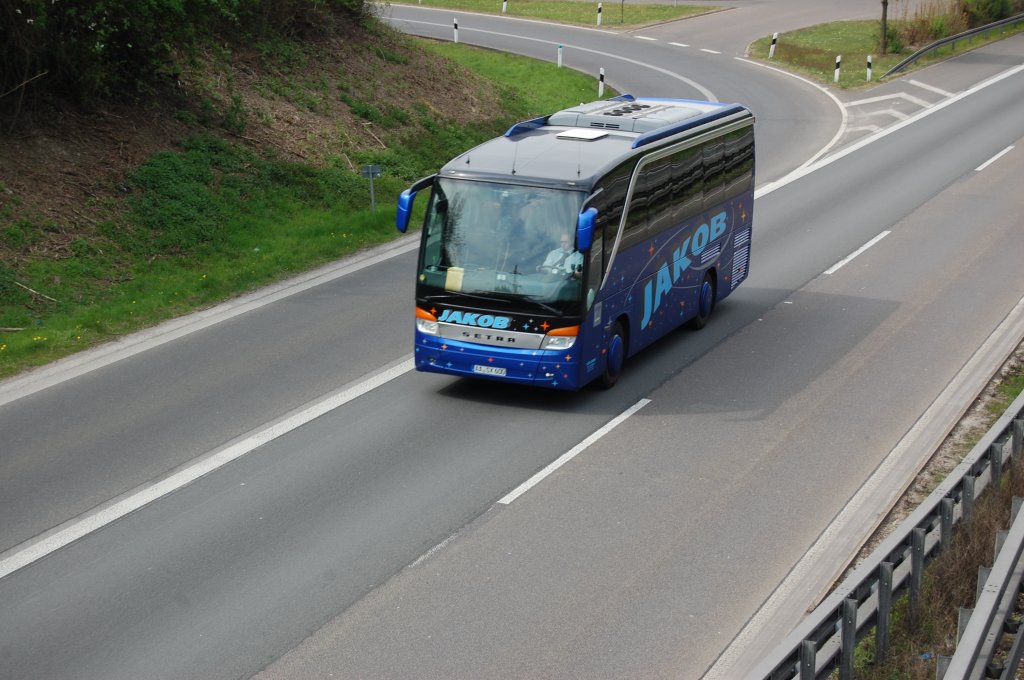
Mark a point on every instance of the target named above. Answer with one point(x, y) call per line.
point(426, 327)
point(558, 342)
point(560, 338)
point(426, 322)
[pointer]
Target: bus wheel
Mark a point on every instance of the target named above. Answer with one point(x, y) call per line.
point(615, 358)
point(705, 302)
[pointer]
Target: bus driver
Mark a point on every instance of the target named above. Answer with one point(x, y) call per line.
point(563, 259)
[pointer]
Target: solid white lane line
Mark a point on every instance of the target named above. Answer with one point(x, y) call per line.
point(130, 345)
point(705, 92)
point(899, 95)
point(810, 167)
point(768, 188)
point(930, 88)
point(573, 452)
point(839, 265)
point(55, 539)
point(992, 160)
point(807, 582)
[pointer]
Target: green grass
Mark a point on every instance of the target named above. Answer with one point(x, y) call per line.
point(214, 220)
point(549, 88)
point(613, 15)
point(812, 51)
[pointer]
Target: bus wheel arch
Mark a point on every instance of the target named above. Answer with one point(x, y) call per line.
point(616, 349)
point(706, 297)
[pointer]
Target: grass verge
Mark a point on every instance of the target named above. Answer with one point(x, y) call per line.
point(214, 219)
point(812, 51)
point(621, 15)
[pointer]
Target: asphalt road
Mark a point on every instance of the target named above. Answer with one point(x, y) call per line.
point(643, 556)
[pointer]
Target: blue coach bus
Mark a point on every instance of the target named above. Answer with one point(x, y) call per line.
point(551, 254)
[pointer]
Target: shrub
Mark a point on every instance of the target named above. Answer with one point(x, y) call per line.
point(981, 12)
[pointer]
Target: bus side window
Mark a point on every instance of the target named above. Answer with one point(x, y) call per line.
point(739, 161)
point(687, 184)
point(714, 173)
point(658, 175)
point(610, 204)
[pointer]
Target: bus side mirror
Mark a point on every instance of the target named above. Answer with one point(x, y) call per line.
point(404, 209)
point(585, 229)
point(405, 202)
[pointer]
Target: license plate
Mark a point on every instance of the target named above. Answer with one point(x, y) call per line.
point(489, 370)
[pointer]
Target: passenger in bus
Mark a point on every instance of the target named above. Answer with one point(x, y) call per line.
point(564, 259)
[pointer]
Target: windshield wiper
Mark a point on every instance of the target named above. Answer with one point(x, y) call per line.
point(545, 306)
point(474, 296)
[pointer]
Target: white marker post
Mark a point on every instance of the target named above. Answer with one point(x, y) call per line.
point(455, 23)
point(559, 56)
point(869, 68)
point(598, 14)
point(504, 6)
point(839, 61)
point(771, 50)
point(600, 84)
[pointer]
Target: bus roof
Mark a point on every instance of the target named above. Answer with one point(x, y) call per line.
point(562, 149)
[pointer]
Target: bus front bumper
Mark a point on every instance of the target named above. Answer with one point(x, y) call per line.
point(558, 369)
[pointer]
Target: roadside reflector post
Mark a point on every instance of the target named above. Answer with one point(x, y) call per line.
point(598, 14)
point(771, 50)
point(839, 61)
point(869, 68)
point(504, 6)
point(455, 23)
point(600, 84)
point(559, 56)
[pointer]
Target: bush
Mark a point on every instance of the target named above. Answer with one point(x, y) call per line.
point(981, 12)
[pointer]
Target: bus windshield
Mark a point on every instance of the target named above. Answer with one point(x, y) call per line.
point(509, 243)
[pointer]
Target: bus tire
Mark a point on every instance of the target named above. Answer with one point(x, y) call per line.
point(705, 301)
point(615, 356)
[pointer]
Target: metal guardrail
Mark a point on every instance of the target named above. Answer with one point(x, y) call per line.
point(952, 40)
point(826, 639)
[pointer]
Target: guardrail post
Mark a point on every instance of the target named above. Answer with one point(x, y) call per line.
point(945, 522)
point(941, 666)
point(983, 574)
point(916, 574)
point(808, 660)
point(968, 499)
point(963, 617)
point(995, 461)
point(1018, 438)
point(884, 619)
point(848, 639)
